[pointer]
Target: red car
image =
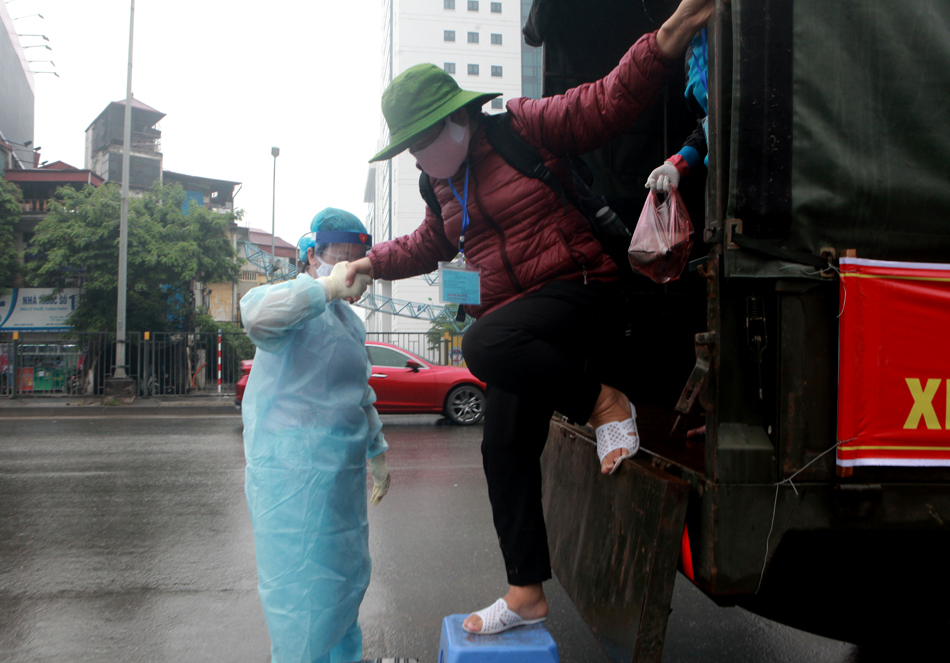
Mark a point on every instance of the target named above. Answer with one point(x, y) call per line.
point(407, 384)
point(241, 384)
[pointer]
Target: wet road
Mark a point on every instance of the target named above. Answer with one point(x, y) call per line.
point(126, 538)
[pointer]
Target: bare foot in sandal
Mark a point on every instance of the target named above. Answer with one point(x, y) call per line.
point(529, 603)
point(613, 406)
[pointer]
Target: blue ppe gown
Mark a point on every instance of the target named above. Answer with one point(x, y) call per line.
point(309, 426)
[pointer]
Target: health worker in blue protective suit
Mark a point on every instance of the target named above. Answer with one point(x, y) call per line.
point(309, 427)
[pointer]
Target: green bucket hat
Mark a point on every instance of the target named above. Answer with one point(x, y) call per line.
point(417, 99)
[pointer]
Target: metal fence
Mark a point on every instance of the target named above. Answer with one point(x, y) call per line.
point(181, 364)
point(161, 363)
point(431, 347)
point(74, 364)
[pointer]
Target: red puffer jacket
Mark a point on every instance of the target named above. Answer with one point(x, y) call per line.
point(521, 235)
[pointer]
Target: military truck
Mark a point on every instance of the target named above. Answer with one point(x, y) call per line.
point(828, 135)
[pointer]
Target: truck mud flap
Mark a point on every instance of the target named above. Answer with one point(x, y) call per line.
point(614, 541)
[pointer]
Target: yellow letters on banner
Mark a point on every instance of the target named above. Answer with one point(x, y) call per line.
point(923, 404)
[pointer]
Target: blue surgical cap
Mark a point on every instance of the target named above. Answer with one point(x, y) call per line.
point(305, 243)
point(332, 218)
point(329, 219)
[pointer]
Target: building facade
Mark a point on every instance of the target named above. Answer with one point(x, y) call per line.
point(16, 99)
point(479, 43)
point(532, 71)
point(104, 147)
point(105, 140)
point(38, 186)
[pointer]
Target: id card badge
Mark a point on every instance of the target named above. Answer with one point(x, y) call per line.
point(459, 283)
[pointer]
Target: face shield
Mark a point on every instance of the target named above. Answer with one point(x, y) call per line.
point(333, 246)
point(334, 253)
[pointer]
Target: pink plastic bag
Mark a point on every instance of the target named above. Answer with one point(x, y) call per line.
point(663, 238)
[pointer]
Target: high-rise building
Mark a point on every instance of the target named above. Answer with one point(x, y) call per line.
point(16, 99)
point(479, 43)
point(531, 62)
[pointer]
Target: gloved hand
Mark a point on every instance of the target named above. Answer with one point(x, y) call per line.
point(661, 178)
point(335, 284)
point(381, 478)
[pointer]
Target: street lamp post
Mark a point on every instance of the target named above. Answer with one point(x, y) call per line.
point(120, 351)
point(274, 152)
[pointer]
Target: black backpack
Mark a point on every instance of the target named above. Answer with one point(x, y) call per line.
point(607, 227)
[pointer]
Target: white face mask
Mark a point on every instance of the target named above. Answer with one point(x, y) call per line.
point(445, 155)
point(324, 269)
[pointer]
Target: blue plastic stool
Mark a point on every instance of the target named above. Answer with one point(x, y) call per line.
point(524, 644)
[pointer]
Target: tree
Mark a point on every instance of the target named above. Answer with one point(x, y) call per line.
point(11, 202)
point(437, 328)
point(235, 344)
point(169, 249)
point(445, 334)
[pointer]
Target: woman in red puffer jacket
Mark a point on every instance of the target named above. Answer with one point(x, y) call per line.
point(547, 322)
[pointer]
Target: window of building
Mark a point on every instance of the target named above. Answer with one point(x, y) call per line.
point(496, 8)
point(473, 70)
point(497, 103)
point(496, 71)
point(496, 39)
point(449, 67)
point(448, 4)
point(473, 5)
point(448, 35)
point(472, 37)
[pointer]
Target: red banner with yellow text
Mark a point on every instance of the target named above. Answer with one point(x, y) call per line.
point(894, 364)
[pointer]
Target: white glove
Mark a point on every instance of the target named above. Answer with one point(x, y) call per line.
point(661, 178)
point(381, 478)
point(335, 284)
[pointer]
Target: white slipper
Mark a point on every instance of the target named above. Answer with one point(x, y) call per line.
point(498, 617)
point(618, 435)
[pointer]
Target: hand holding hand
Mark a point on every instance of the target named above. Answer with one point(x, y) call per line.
point(663, 177)
point(336, 287)
point(381, 478)
point(363, 266)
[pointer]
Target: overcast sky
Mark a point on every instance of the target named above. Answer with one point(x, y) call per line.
point(234, 78)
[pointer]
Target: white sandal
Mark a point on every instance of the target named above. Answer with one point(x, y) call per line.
point(618, 435)
point(498, 617)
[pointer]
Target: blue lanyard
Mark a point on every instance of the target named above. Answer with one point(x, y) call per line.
point(464, 203)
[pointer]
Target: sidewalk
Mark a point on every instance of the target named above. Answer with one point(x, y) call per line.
point(28, 406)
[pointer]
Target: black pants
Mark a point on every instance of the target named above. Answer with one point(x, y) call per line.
point(547, 351)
